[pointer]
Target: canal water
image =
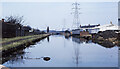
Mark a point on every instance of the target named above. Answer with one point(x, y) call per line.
point(65, 52)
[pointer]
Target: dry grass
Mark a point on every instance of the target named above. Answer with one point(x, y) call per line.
point(21, 42)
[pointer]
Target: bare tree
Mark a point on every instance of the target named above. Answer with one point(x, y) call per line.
point(15, 19)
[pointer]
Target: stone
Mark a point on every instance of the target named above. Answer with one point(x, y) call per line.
point(46, 58)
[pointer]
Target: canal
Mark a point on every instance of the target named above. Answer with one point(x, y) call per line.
point(65, 52)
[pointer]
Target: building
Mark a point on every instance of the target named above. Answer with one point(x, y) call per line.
point(90, 28)
point(27, 30)
point(11, 30)
point(108, 27)
point(96, 28)
point(76, 31)
point(36, 31)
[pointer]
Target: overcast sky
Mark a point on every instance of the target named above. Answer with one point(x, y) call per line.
point(52, 14)
point(59, 0)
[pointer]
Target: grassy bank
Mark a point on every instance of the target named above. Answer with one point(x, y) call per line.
point(8, 43)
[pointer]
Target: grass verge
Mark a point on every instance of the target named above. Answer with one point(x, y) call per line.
point(19, 41)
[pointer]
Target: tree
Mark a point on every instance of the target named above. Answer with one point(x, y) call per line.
point(14, 19)
point(17, 20)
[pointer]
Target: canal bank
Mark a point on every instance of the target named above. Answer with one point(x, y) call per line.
point(10, 45)
point(109, 38)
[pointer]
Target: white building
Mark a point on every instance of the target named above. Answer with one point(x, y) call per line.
point(90, 28)
point(108, 27)
point(96, 28)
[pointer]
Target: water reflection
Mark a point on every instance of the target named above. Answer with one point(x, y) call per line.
point(20, 56)
point(77, 54)
point(67, 37)
point(105, 44)
point(17, 56)
point(48, 38)
point(65, 52)
point(81, 40)
point(119, 50)
point(14, 57)
point(44, 58)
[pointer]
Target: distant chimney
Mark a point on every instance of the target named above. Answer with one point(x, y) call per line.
point(80, 25)
point(47, 29)
point(2, 20)
point(98, 24)
point(110, 22)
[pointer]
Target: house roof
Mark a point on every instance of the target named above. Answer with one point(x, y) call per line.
point(89, 26)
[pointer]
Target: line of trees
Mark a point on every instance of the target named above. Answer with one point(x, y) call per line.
point(12, 26)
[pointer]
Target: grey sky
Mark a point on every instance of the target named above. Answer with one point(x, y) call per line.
point(59, 0)
point(119, 10)
point(52, 14)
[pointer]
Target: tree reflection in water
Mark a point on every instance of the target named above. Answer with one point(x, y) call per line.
point(48, 39)
point(20, 59)
point(14, 57)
